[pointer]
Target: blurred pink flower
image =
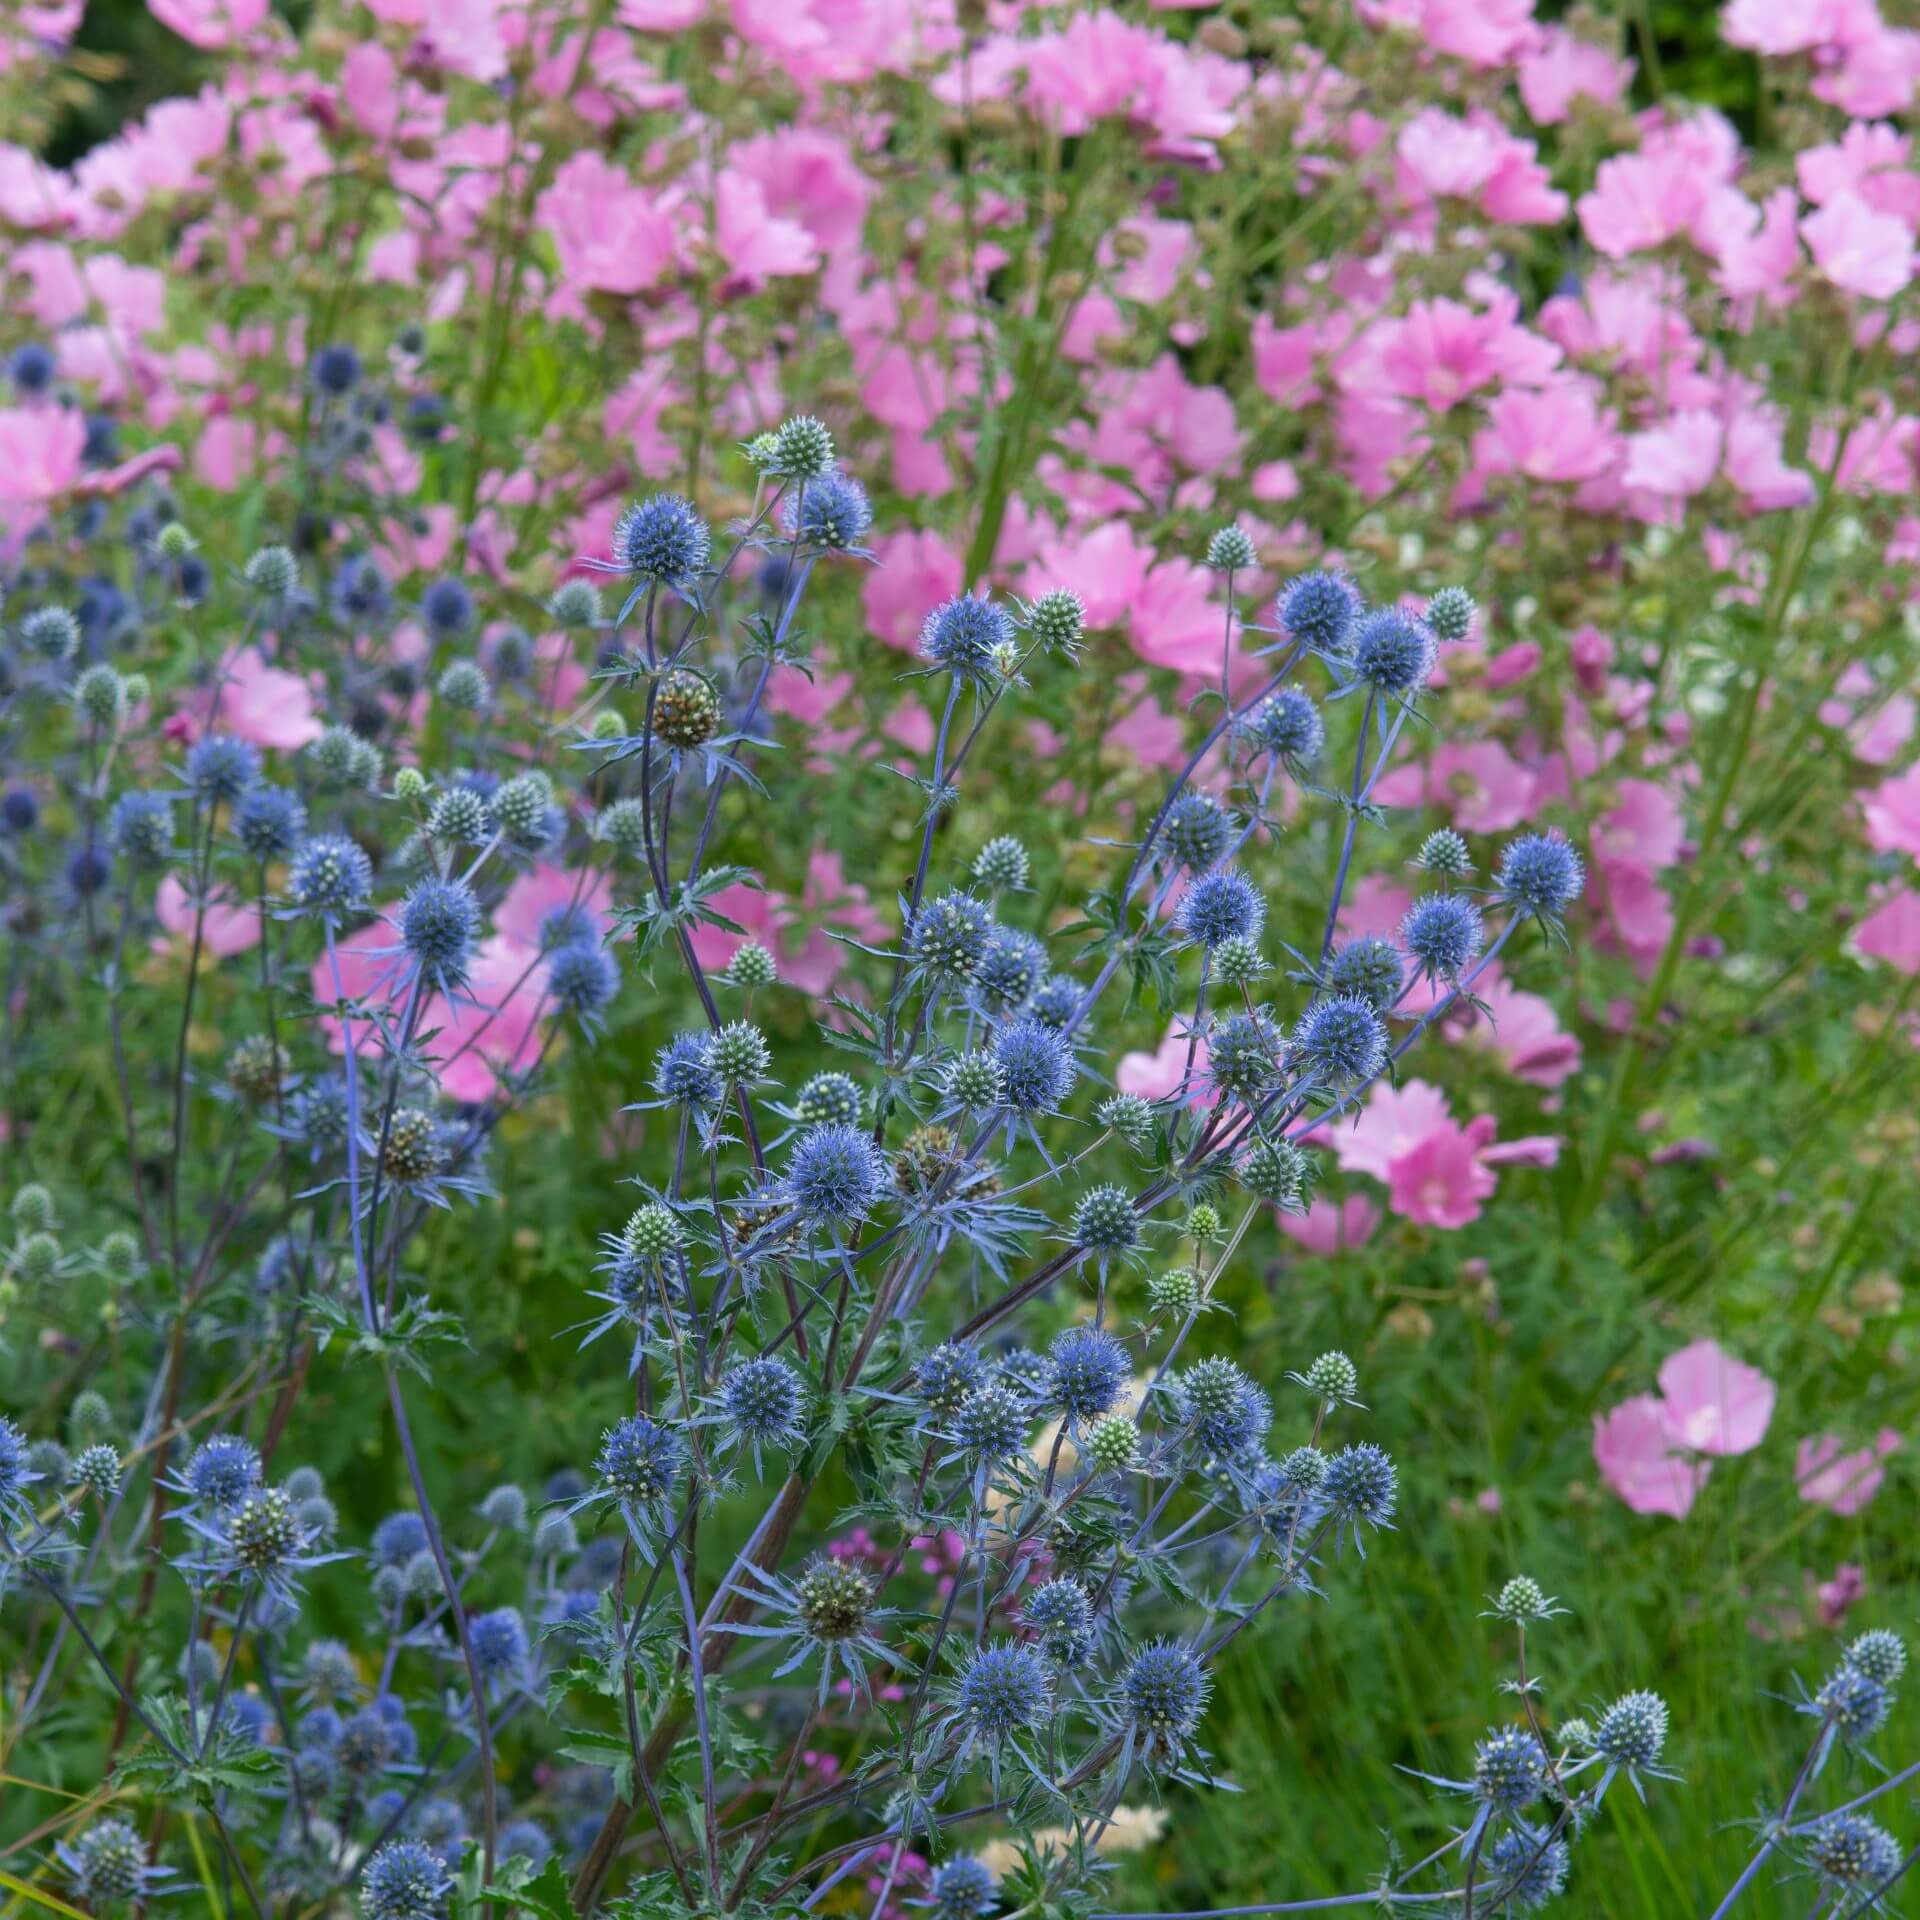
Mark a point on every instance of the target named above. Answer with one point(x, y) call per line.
point(1441, 1179)
point(756, 243)
point(1678, 458)
point(611, 235)
point(1332, 1226)
point(1634, 1450)
point(1891, 932)
point(545, 891)
point(1563, 68)
point(1642, 829)
point(210, 23)
point(1715, 1403)
point(40, 450)
point(1157, 1075)
point(263, 704)
point(227, 927)
point(1858, 250)
point(1834, 1597)
point(1893, 814)
point(1394, 1120)
point(1442, 352)
point(1522, 1032)
point(1842, 1482)
point(1555, 434)
point(917, 571)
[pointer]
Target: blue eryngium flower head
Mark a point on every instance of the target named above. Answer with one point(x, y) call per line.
point(639, 1461)
point(269, 822)
point(950, 936)
point(962, 1889)
point(1509, 1768)
point(141, 828)
point(1339, 1041)
point(1443, 934)
point(359, 589)
point(1220, 1407)
point(1369, 969)
point(1526, 1875)
point(1105, 1223)
point(682, 1074)
point(963, 635)
point(834, 1176)
point(1196, 830)
point(1287, 725)
point(16, 1472)
point(833, 513)
point(990, 1426)
point(1222, 906)
point(1359, 1488)
point(1633, 1731)
point(107, 1864)
point(1852, 1854)
point(1037, 1068)
point(1243, 1056)
point(398, 1538)
point(1164, 1695)
point(763, 1400)
point(1880, 1654)
point(1088, 1369)
point(221, 768)
point(662, 539)
point(32, 367)
point(222, 1471)
point(448, 606)
point(1540, 875)
point(1392, 650)
point(1319, 609)
point(583, 978)
point(946, 1376)
point(1853, 1703)
point(405, 1880)
point(1062, 1615)
point(1012, 966)
point(439, 922)
point(329, 874)
point(1005, 1690)
point(336, 370)
point(499, 1642)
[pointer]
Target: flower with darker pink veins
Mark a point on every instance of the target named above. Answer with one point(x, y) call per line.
point(1715, 1403)
point(1842, 1482)
point(1634, 1449)
point(1858, 250)
point(610, 234)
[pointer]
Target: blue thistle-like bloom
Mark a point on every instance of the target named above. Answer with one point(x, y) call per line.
point(439, 923)
point(1088, 1369)
point(1880, 1654)
point(1056, 1000)
point(16, 1468)
point(1037, 1069)
point(1005, 1690)
point(1012, 966)
point(1164, 1694)
point(1509, 1768)
point(1221, 1407)
point(963, 635)
point(1319, 609)
point(499, 1642)
point(1522, 1874)
point(829, 1096)
point(221, 768)
point(1221, 906)
point(222, 1471)
point(947, 1376)
point(1853, 1703)
point(763, 1399)
point(359, 589)
point(31, 368)
point(833, 512)
point(583, 978)
point(1852, 1854)
point(1393, 650)
point(1105, 1222)
point(1196, 830)
point(335, 370)
point(19, 810)
point(141, 828)
point(950, 936)
point(107, 1864)
point(398, 1538)
point(683, 1076)
point(1360, 1486)
point(1633, 1731)
point(365, 1747)
point(1539, 875)
point(1062, 1615)
point(990, 1426)
point(662, 539)
point(447, 606)
point(1287, 724)
point(962, 1889)
point(405, 1880)
point(1368, 968)
point(834, 1174)
point(330, 874)
point(526, 1840)
point(1243, 1057)
point(1339, 1041)
point(1444, 935)
point(269, 822)
point(639, 1460)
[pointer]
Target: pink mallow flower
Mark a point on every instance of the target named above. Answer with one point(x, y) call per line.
point(1715, 1403)
point(1332, 1226)
point(1634, 1449)
point(1842, 1482)
point(1858, 250)
point(1893, 814)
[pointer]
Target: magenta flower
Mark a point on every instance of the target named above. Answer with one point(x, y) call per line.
point(1842, 1482)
